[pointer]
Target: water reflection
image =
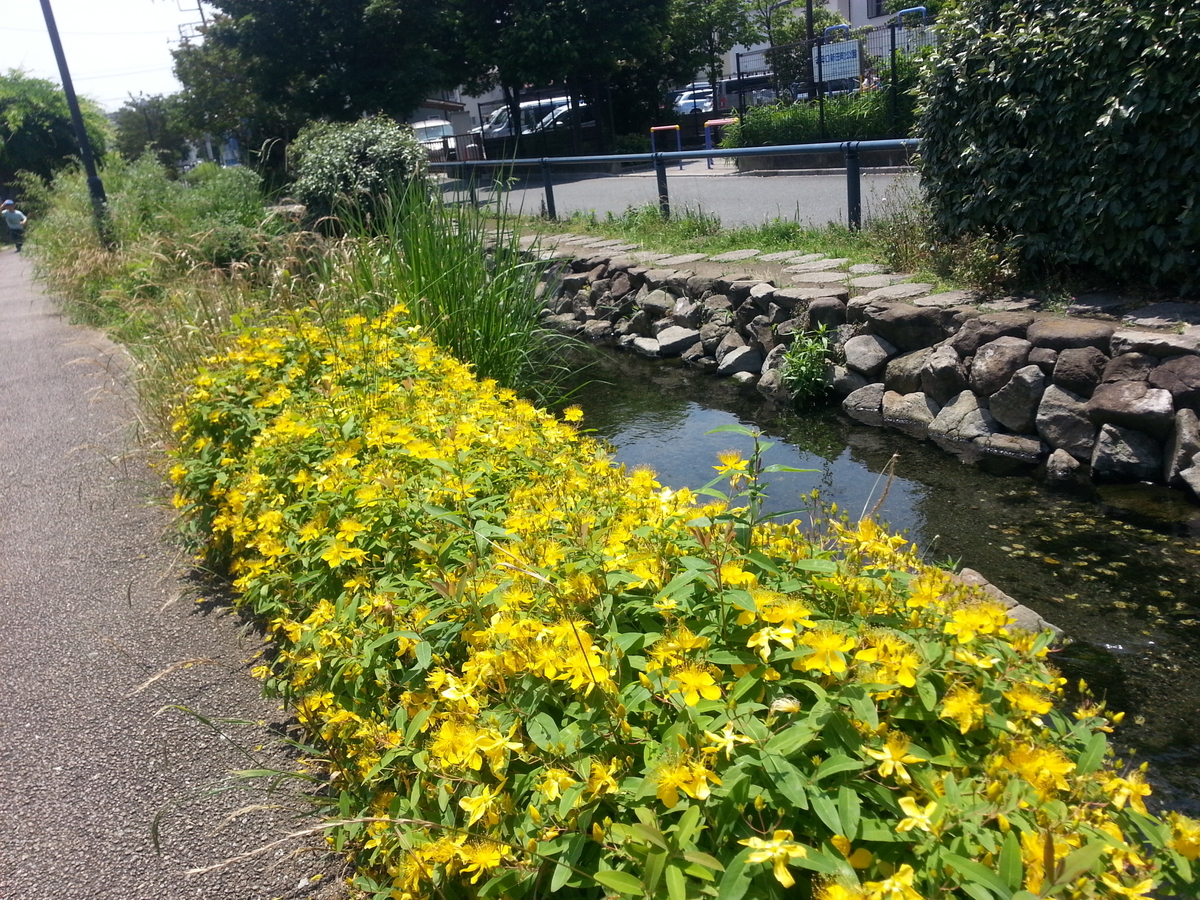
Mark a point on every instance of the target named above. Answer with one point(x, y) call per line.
point(1113, 567)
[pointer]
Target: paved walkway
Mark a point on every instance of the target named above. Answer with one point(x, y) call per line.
point(96, 634)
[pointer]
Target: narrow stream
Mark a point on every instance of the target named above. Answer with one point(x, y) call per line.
point(1114, 567)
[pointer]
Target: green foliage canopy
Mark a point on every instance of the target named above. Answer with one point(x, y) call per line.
point(36, 134)
point(338, 61)
point(1068, 130)
point(150, 122)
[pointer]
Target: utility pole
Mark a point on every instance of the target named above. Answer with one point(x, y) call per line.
point(95, 185)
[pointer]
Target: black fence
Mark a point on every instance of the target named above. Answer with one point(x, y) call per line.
point(837, 63)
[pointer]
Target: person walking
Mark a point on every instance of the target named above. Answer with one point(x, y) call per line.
point(15, 220)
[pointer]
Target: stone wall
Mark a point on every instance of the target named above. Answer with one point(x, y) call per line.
point(1082, 396)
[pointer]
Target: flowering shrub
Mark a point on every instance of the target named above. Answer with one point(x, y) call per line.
point(530, 673)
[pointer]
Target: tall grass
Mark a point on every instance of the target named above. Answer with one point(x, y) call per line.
point(462, 274)
point(201, 259)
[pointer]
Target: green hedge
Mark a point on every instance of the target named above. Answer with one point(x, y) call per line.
point(1068, 130)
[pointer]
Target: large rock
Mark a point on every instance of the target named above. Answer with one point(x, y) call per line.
point(868, 354)
point(687, 313)
point(1063, 423)
point(1067, 334)
point(962, 420)
point(793, 297)
point(1182, 447)
point(674, 340)
point(866, 404)
point(711, 336)
point(944, 374)
point(996, 362)
point(645, 346)
point(657, 304)
point(827, 311)
point(731, 342)
point(1129, 367)
point(1079, 369)
point(761, 334)
point(912, 327)
point(1132, 404)
point(1123, 454)
point(910, 413)
point(1011, 446)
point(598, 331)
point(846, 382)
point(771, 385)
point(1015, 405)
point(624, 283)
point(903, 374)
point(1156, 344)
point(1181, 376)
point(742, 359)
point(980, 330)
point(1061, 466)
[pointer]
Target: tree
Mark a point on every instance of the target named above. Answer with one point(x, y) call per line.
point(704, 30)
point(150, 122)
point(1066, 131)
point(341, 59)
point(36, 134)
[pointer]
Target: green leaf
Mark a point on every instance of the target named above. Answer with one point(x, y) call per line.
point(685, 829)
point(424, 651)
point(703, 859)
point(928, 694)
point(621, 882)
point(676, 883)
point(980, 874)
point(733, 429)
point(1011, 868)
point(1093, 754)
point(736, 880)
point(826, 810)
point(820, 566)
point(791, 740)
point(836, 763)
point(849, 810)
point(1080, 861)
point(543, 731)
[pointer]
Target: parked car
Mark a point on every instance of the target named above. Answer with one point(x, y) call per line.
point(532, 112)
point(437, 137)
point(564, 117)
point(695, 101)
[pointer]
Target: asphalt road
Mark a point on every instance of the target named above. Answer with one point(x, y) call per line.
point(812, 199)
point(100, 637)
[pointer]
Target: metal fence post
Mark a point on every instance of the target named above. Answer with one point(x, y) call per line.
point(664, 202)
point(550, 213)
point(853, 188)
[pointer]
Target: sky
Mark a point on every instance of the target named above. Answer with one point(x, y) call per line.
point(114, 48)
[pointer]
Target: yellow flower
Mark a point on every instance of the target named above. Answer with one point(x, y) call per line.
point(835, 890)
point(967, 622)
point(572, 414)
point(694, 681)
point(602, 780)
point(898, 887)
point(760, 641)
point(480, 857)
point(916, 817)
point(481, 806)
point(1129, 790)
point(1027, 701)
point(965, 706)
point(554, 782)
point(682, 775)
point(1185, 836)
point(1134, 891)
point(725, 741)
point(894, 756)
point(731, 461)
point(778, 851)
point(828, 649)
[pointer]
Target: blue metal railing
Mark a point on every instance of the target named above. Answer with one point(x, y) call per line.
point(850, 150)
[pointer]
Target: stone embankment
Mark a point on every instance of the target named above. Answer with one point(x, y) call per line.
point(1094, 392)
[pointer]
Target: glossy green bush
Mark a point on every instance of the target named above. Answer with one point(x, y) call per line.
point(1068, 130)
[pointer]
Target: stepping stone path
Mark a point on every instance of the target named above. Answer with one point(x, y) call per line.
point(733, 255)
point(869, 282)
